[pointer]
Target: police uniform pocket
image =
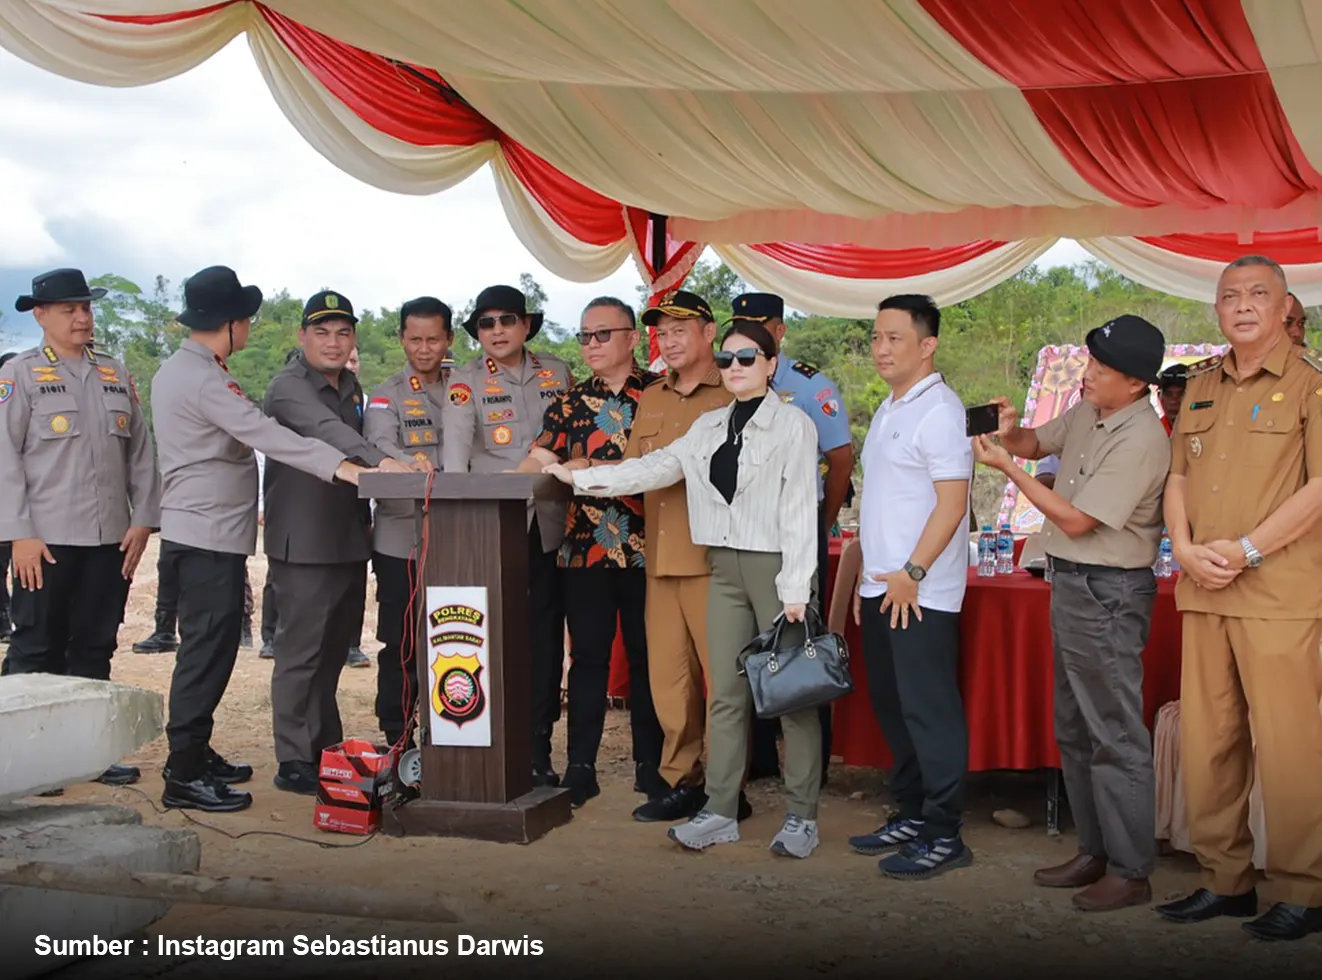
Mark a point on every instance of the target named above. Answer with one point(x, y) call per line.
point(500, 426)
point(57, 417)
point(646, 430)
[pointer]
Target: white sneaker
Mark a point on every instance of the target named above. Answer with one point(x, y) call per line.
point(797, 838)
point(704, 830)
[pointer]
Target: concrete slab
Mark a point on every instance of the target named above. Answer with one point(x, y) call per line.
point(80, 834)
point(57, 731)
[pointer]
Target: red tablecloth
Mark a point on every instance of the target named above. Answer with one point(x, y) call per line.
point(1007, 676)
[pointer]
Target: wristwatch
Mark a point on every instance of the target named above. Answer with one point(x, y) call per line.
point(1251, 554)
point(918, 572)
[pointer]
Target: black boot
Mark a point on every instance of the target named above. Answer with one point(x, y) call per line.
point(542, 772)
point(161, 641)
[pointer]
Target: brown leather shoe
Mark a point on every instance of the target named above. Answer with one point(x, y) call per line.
point(1112, 892)
point(1080, 870)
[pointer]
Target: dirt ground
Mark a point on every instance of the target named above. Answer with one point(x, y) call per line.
point(607, 895)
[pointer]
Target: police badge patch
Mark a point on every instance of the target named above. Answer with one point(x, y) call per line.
point(6, 389)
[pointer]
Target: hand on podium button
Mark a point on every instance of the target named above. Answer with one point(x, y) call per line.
point(559, 471)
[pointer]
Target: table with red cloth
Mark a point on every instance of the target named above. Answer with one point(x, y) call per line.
point(1007, 676)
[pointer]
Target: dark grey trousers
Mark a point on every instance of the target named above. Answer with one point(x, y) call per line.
point(320, 619)
point(1100, 623)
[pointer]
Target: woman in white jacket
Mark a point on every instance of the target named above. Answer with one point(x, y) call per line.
point(751, 485)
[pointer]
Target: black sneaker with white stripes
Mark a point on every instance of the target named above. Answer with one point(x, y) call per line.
point(894, 835)
point(926, 858)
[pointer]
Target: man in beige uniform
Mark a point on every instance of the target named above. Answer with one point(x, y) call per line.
point(204, 428)
point(1102, 532)
point(404, 415)
point(678, 575)
point(1242, 505)
point(80, 493)
point(493, 412)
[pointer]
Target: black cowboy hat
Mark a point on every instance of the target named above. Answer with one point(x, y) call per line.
point(214, 297)
point(58, 286)
point(502, 298)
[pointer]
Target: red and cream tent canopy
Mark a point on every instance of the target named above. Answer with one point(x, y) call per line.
point(830, 151)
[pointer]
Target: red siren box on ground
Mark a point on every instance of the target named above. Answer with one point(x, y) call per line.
point(354, 778)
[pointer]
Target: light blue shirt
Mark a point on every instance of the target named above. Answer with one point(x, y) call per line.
point(815, 394)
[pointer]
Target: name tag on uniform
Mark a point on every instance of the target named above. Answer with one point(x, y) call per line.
point(1194, 406)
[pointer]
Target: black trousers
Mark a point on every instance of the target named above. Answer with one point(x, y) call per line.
point(210, 623)
point(765, 758)
point(5, 550)
point(69, 626)
point(599, 602)
point(913, 679)
point(397, 682)
point(270, 620)
point(167, 592)
point(546, 639)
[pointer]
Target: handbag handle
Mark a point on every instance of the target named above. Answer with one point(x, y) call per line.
point(813, 626)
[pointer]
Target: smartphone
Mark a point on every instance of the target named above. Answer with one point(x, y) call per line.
point(981, 420)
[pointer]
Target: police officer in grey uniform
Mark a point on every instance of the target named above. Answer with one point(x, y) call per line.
point(404, 415)
point(493, 411)
point(205, 426)
point(318, 539)
point(803, 385)
point(80, 494)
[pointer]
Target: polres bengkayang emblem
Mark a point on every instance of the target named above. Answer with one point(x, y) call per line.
point(457, 693)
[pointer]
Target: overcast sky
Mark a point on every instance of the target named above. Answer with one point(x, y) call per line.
point(205, 169)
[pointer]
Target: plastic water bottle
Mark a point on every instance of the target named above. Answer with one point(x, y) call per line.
point(1004, 551)
point(987, 552)
point(1165, 562)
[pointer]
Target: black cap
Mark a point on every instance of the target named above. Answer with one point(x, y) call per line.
point(328, 305)
point(1130, 345)
point(758, 307)
point(1175, 376)
point(214, 297)
point(58, 286)
point(681, 305)
point(505, 298)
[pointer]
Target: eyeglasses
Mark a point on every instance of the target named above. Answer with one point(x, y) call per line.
point(505, 320)
point(586, 337)
point(746, 356)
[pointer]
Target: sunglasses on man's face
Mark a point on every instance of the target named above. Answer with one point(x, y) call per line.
point(505, 320)
point(746, 356)
point(586, 337)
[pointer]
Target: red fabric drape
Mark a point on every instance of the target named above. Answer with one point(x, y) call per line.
point(404, 102)
point(857, 262)
point(1053, 43)
point(1167, 143)
point(1007, 677)
point(149, 19)
point(1152, 101)
point(1301, 246)
point(588, 216)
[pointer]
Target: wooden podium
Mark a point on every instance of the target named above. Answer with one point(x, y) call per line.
point(478, 536)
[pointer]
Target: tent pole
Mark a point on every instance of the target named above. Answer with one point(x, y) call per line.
point(658, 243)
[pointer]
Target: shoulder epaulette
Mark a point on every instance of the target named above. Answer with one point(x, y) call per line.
point(1312, 358)
point(1205, 365)
point(807, 370)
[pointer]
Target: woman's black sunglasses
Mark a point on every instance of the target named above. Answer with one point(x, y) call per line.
point(746, 356)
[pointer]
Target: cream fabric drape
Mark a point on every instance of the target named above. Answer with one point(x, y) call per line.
point(1181, 275)
point(838, 296)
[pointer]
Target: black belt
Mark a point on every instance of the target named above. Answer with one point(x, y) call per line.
point(1079, 568)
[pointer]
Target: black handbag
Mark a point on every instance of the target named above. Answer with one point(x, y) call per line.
point(797, 678)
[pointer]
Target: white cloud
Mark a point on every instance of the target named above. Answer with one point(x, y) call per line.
point(205, 169)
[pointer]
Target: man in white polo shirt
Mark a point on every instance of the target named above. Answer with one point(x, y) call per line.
point(917, 464)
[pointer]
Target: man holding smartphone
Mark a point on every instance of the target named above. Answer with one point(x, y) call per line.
point(1103, 527)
